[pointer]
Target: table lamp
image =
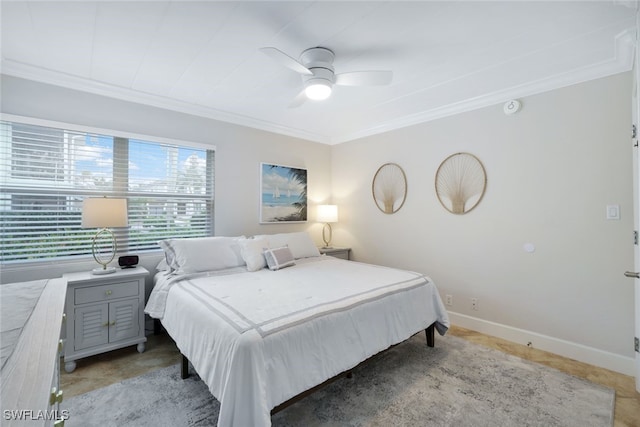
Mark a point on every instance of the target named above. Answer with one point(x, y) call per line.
point(103, 212)
point(327, 214)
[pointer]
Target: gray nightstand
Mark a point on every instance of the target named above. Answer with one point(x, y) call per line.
point(104, 312)
point(342, 253)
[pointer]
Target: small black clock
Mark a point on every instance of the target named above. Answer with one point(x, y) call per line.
point(128, 261)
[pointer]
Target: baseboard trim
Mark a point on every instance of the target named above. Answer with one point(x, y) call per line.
point(572, 350)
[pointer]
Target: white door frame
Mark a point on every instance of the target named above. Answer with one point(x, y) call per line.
point(635, 109)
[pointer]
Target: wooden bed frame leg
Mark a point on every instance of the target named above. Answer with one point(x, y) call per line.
point(431, 341)
point(184, 369)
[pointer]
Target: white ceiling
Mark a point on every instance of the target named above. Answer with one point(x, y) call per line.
point(202, 57)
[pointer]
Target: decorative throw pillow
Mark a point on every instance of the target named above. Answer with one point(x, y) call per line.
point(300, 243)
point(278, 258)
point(252, 251)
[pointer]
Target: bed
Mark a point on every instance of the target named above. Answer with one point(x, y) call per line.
point(265, 319)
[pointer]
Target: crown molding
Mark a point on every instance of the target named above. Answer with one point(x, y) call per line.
point(621, 62)
point(42, 75)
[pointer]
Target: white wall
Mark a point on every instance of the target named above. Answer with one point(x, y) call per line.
point(552, 169)
point(239, 151)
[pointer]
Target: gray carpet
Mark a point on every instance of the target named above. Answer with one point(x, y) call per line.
point(457, 383)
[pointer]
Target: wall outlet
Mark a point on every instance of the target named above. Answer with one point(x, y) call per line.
point(448, 299)
point(474, 304)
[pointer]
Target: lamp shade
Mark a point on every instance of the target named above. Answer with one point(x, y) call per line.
point(327, 213)
point(101, 212)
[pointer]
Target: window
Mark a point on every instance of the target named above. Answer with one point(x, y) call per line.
point(46, 172)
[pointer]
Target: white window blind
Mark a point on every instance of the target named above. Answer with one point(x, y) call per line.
point(46, 172)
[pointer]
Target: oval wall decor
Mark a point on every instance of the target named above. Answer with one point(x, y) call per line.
point(389, 188)
point(460, 182)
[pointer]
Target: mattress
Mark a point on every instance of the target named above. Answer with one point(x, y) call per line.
point(260, 338)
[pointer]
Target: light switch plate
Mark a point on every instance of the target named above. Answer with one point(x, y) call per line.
point(613, 211)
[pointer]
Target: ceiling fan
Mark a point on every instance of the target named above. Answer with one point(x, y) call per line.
point(318, 76)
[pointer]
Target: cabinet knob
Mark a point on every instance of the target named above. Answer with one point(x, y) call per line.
point(108, 292)
point(56, 396)
point(60, 345)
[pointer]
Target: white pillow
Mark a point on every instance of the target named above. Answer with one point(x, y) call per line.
point(252, 251)
point(299, 243)
point(198, 254)
point(278, 258)
point(162, 265)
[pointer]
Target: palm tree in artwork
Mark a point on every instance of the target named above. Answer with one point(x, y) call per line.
point(299, 176)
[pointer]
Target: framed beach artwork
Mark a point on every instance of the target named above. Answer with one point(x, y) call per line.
point(283, 194)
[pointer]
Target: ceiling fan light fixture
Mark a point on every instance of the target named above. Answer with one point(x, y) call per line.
point(318, 75)
point(317, 89)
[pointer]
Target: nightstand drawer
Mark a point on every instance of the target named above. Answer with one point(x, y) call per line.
point(342, 254)
point(106, 292)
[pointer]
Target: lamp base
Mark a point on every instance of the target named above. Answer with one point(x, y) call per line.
point(327, 240)
point(98, 271)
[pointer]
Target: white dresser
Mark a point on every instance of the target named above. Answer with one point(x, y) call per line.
point(32, 317)
point(104, 312)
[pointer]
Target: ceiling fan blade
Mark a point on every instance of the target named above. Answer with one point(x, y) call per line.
point(282, 58)
point(364, 78)
point(298, 100)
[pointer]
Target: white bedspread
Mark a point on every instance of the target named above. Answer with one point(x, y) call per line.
point(258, 339)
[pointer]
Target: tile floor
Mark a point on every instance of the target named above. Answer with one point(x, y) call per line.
point(104, 369)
